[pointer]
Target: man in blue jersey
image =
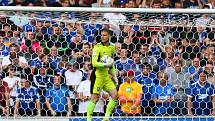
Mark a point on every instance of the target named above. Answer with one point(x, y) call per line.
point(57, 99)
point(42, 82)
point(27, 101)
point(147, 79)
point(123, 64)
point(201, 97)
point(162, 95)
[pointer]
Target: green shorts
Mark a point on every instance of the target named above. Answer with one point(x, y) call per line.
point(103, 84)
point(100, 83)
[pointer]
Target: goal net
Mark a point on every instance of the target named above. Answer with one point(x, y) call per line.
point(164, 63)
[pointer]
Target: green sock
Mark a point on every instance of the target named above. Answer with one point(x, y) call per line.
point(90, 108)
point(111, 105)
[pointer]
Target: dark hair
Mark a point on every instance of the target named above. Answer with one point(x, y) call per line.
point(154, 33)
point(87, 59)
point(147, 65)
point(14, 45)
point(208, 62)
point(87, 43)
point(179, 62)
point(135, 52)
point(24, 76)
point(163, 73)
point(172, 40)
point(116, 3)
point(206, 7)
point(105, 30)
point(145, 45)
point(11, 66)
point(57, 75)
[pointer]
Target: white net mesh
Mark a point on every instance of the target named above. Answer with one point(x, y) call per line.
point(169, 56)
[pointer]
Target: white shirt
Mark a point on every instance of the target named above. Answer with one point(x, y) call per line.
point(84, 88)
point(115, 20)
point(11, 82)
point(106, 1)
point(19, 20)
point(6, 60)
point(73, 78)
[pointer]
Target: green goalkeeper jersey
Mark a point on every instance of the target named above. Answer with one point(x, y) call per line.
point(99, 51)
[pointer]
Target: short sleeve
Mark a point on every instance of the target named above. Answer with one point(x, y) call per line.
point(67, 92)
point(18, 94)
point(172, 92)
point(36, 94)
point(6, 61)
point(48, 94)
point(121, 88)
point(154, 94)
point(139, 90)
point(80, 88)
point(212, 90)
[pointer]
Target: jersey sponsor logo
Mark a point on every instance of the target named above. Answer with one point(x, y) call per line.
point(202, 96)
point(26, 100)
point(128, 89)
point(163, 97)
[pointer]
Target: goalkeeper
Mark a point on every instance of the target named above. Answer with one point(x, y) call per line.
point(100, 79)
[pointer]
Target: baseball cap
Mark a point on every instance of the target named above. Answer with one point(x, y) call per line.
point(130, 72)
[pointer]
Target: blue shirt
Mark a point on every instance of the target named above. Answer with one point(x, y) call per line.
point(4, 2)
point(37, 63)
point(43, 81)
point(137, 68)
point(201, 98)
point(192, 70)
point(28, 27)
point(147, 85)
point(156, 51)
point(90, 30)
point(57, 96)
point(54, 62)
point(61, 70)
point(27, 97)
point(123, 66)
point(5, 51)
point(162, 93)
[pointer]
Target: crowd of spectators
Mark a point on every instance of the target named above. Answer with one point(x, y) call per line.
point(110, 3)
point(162, 70)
